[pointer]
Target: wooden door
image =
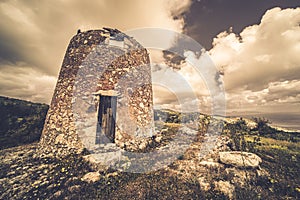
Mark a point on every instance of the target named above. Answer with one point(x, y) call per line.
point(106, 119)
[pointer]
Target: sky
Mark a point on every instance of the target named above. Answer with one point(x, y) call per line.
point(254, 44)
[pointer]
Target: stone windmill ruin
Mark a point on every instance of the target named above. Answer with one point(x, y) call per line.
point(103, 94)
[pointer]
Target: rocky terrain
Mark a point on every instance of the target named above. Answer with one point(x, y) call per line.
point(24, 175)
point(245, 162)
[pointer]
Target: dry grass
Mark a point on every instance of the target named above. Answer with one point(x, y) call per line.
point(270, 143)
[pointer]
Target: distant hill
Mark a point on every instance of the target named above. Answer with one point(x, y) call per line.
point(21, 122)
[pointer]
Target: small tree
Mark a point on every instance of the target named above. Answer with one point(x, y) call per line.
point(237, 131)
point(262, 126)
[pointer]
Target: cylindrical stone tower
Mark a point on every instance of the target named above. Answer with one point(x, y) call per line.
point(103, 95)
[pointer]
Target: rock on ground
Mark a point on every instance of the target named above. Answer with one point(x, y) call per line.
point(91, 177)
point(225, 187)
point(240, 159)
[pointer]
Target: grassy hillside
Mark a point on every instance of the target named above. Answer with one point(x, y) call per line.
point(21, 122)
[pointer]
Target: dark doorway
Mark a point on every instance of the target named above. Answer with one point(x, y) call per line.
point(106, 119)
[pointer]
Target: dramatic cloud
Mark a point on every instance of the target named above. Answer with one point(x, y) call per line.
point(36, 33)
point(262, 63)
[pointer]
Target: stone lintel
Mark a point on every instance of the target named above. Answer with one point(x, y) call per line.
point(106, 93)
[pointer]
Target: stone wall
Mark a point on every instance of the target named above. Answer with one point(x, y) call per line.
point(97, 61)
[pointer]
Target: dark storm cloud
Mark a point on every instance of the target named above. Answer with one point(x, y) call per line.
point(207, 18)
point(261, 54)
point(8, 49)
point(173, 60)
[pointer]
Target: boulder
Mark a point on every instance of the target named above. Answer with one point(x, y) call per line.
point(74, 188)
point(210, 164)
point(225, 187)
point(91, 177)
point(204, 184)
point(240, 159)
